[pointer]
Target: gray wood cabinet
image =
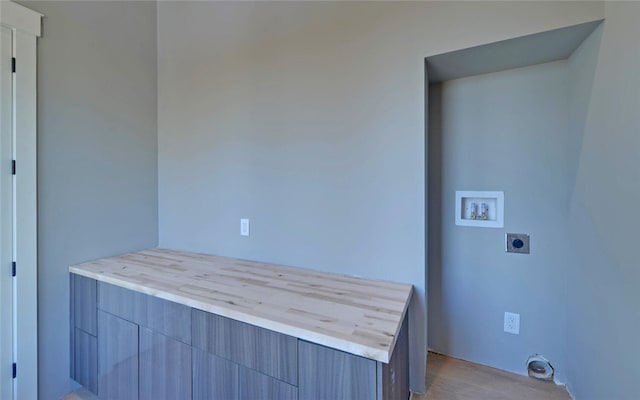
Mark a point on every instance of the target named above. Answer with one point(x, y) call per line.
point(127, 345)
point(326, 373)
point(154, 337)
point(271, 353)
point(84, 304)
point(83, 331)
point(162, 316)
point(164, 367)
point(85, 360)
point(214, 377)
point(257, 386)
point(117, 358)
point(393, 378)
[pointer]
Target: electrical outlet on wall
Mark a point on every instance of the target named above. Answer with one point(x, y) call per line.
point(244, 227)
point(512, 323)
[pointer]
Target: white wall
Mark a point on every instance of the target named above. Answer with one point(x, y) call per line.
point(604, 280)
point(308, 118)
point(97, 154)
point(506, 131)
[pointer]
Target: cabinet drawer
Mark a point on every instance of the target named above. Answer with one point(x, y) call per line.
point(163, 316)
point(269, 352)
point(83, 303)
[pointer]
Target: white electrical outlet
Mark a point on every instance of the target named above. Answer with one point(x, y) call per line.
point(512, 323)
point(244, 227)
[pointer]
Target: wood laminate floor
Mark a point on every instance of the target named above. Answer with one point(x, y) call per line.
point(452, 379)
point(80, 394)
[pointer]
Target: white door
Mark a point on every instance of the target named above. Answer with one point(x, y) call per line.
point(20, 28)
point(6, 215)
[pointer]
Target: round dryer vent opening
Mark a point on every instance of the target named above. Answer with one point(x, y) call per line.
point(539, 368)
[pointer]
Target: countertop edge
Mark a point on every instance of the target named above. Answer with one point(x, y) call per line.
point(337, 343)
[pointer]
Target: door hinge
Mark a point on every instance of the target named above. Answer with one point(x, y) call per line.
point(13, 167)
point(13, 65)
point(15, 370)
point(13, 268)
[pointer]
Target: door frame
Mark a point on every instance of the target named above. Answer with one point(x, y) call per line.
point(6, 216)
point(25, 25)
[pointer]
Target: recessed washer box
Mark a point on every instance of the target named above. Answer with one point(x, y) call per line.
point(480, 208)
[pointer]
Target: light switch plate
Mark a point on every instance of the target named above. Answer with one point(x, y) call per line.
point(517, 243)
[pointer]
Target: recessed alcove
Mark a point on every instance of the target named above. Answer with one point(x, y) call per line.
point(538, 48)
point(508, 117)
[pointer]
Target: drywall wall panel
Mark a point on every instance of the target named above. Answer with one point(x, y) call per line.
point(505, 131)
point(602, 291)
point(309, 119)
point(97, 152)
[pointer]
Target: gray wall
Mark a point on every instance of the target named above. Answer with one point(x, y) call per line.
point(590, 291)
point(504, 131)
point(326, 104)
point(97, 153)
point(308, 118)
point(604, 278)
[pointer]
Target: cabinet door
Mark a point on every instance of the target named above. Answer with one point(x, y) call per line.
point(85, 359)
point(257, 386)
point(117, 358)
point(165, 367)
point(393, 378)
point(332, 374)
point(214, 378)
point(83, 330)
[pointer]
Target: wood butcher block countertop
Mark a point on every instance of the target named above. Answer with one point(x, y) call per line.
point(356, 315)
